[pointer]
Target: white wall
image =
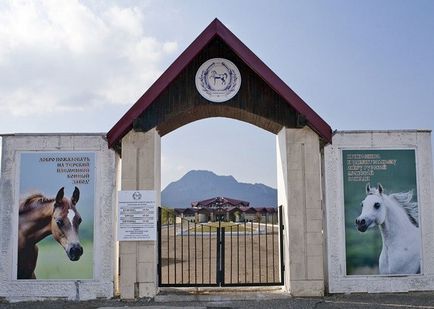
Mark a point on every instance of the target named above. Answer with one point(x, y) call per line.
point(338, 281)
point(104, 242)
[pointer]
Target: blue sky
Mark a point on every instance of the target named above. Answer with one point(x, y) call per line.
point(77, 66)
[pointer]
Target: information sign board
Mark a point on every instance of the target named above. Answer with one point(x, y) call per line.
point(137, 215)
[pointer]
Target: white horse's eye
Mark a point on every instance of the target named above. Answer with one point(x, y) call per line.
point(361, 205)
point(377, 205)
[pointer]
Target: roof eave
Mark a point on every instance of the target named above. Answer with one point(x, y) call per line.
point(125, 124)
point(216, 28)
point(315, 122)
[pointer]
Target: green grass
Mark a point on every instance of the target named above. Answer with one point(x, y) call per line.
point(53, 263)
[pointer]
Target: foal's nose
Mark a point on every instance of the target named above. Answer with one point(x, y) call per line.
point(75, 252)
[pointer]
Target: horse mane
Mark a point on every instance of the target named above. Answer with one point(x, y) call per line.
point(34, 201)
point(404, 199)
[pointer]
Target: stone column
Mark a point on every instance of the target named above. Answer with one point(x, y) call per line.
point(299, 191)
point(141, 170)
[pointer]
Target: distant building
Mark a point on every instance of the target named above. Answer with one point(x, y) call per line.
point(225, 209)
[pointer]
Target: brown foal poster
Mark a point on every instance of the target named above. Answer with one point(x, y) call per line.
point(56, 215)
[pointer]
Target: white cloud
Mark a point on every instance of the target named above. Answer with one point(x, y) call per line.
point(170, 47)
point(61, 55)
point(126, 20)
point(16, 103)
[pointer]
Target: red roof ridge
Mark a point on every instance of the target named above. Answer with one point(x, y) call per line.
point(217, 28)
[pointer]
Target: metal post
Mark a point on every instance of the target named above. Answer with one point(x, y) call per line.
point(159, 245)
point(266, 246)
point(218, 257)
point(282, 266)
point(222, 257)
point(182, 251)
point(238, 254)
point(174, 241)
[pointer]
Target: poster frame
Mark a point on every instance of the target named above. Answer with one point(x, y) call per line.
point(106, 180)
point(18, 159)
point(341, 164)
point(338, 280)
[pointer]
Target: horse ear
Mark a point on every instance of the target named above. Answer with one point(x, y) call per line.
point(368, 188)
point(59, 196)
point(380, 188)
point(75, 196)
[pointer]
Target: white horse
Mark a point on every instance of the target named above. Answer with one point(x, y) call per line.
point(396, 216)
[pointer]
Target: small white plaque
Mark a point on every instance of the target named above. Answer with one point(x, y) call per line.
point(218, 80)
point(137, 215)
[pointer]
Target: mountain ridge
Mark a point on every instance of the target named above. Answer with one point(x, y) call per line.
point(198, 185)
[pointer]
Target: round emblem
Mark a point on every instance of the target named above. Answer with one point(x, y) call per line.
point(218, 80)
point(137, 196)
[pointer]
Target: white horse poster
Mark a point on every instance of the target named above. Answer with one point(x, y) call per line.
point(382, 235)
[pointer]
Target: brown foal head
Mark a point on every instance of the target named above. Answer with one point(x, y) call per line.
point(65, 222)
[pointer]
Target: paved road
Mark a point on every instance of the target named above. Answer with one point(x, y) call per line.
point(355, 301)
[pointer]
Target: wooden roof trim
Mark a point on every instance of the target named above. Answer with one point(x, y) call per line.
point(125, 124)
point(216, 28)
point(260, 68)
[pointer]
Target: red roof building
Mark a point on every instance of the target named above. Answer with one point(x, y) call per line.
point(219, 202)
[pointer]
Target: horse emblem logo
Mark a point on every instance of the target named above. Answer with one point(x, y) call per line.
point(218, 80)
point(137, 195)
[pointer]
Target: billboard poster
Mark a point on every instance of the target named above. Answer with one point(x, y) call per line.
point(382, 235)
point(56, 215)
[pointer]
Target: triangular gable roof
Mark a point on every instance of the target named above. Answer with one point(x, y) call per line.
point(216, 28)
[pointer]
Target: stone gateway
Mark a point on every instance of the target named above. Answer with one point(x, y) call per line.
point(321, 177)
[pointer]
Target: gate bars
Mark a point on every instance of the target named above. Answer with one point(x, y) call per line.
point(219, 253)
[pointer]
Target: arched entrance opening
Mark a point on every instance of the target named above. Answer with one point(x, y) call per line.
point(262, 100)
point(219, 221)
point(223, 146)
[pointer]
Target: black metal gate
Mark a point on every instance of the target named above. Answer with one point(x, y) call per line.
point(248, 253)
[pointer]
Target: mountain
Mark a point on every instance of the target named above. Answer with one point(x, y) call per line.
point(201, 185)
